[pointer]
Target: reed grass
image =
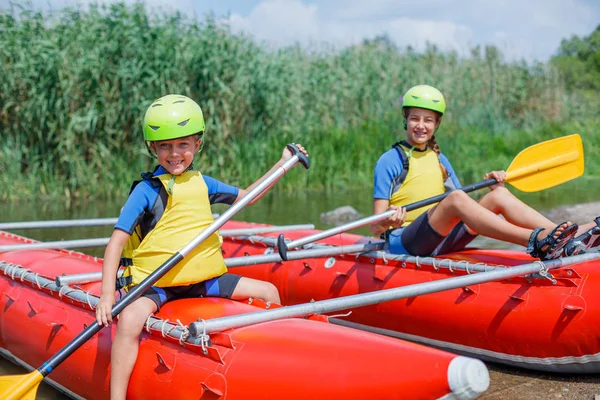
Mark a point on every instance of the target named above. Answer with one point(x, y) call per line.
point(75, 85)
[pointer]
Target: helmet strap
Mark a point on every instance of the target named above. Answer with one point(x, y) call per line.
point(149, 148)
point(201, 138)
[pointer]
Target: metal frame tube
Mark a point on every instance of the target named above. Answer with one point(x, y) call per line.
point(366, 299)
point(100, 242)
point(65, 223)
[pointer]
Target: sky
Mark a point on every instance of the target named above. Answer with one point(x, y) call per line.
point(521, 29)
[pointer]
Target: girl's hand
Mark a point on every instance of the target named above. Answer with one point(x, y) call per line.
point(397, 219)
point(104, 309)
point(287, 154)
point(499, 176)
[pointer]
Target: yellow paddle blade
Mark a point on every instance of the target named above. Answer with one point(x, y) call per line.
point(547, 164)
point(20, 387)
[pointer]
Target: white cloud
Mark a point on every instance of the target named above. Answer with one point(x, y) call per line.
point(280, 22)
point(532, 29)
point(283, 22)
point(529, 29)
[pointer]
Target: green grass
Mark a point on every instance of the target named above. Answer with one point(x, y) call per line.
point(74, 86)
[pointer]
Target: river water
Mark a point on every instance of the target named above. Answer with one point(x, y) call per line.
point(298, 207)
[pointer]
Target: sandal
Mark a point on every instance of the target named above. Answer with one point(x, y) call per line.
point(586, 242)
point(550, 247)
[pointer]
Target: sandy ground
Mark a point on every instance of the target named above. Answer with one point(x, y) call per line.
point(578, 213)
point(508, 383)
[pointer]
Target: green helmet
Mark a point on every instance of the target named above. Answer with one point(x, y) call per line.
point(172, 116)
point(424, 96)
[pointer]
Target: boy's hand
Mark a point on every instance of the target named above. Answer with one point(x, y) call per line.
point(104, 309)
point(499, 176)
point(287, 154)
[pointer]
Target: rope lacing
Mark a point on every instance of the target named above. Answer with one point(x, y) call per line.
point(37, 282)
point(13, 271)
point(87, 298)
point(162, 328)
point(435, 267)
point(148, 323)
point(466, 265)
point(24, 272)
point(7, 267)
point(185, 333)
point(60, 293)
point(484, 265)
point(203, 337)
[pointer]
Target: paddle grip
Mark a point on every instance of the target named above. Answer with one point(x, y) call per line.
point(282, 247)
point(301, 156)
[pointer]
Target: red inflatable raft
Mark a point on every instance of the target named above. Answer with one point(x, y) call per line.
point(547, 323)
point(293, 358)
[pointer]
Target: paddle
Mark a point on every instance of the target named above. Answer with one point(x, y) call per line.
point(538, 167)
point(25, 386)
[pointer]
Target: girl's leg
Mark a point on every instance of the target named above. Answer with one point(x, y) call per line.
point(248, 287)
point(586, 227)
point(458, 206)
point(502, 201)
point(124, 350)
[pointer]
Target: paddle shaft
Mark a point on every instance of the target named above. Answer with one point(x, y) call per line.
point(137, 291)
point(376, 297)
point(377, 217)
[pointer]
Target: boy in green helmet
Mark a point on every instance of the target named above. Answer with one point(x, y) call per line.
point(415, 169)
point(170, 206)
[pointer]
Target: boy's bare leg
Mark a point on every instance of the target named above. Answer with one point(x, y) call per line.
point(248, 287)
point(125, 345)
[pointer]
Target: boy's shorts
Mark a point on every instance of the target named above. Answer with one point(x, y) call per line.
point(420, 239)
point(221, 286)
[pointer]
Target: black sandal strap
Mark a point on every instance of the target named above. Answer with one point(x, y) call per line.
point(533, 246)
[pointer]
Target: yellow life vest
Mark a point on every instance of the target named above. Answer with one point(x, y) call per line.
point(187, 213)
point(424, 180)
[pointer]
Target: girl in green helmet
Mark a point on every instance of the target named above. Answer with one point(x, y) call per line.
point(170, 206)
point(415, 169)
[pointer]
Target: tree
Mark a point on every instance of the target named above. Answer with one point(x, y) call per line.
point(579, 61)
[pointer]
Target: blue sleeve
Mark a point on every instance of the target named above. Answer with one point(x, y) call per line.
point(452, 181)
point(219, 192)
point(142, 198)
point(387, 170)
